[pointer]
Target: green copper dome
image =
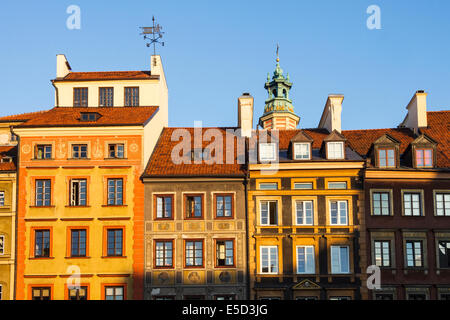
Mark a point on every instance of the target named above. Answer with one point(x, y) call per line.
point(278, 89)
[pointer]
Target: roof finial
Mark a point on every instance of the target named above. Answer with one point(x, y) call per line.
point(278, 58)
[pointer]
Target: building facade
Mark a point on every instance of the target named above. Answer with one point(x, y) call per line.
point(80, 215)
point(195, 221)
point(407, 207)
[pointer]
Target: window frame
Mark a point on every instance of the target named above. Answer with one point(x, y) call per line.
point(80, 146)
point(80, 102)
point(155, 206)
point(421, 202)
point(36, 200)
point(185, 206)
point(422, 252)
point(33, 242)
point(298, 144)
point(132, 97)
point(116, 152)
point(372, 202)
point(106, 286)
point(382, 241)
point(72, 202)
point(41, 288)
point(386, 158)
point(268, 213)
point(70, 231)
point(105, 89)
point(106, 230)
point(416, 158)
point(44, 152)
point(338, 217)
point(185, 256)
point(340, 259)
point(82, 286)
point(266, 144)
point(115, 192)
point(306, 259)
point(435, 202)
point(261, 247)
point(304, 212)
point(215, 196)
point(341, 143)
point(155, 258)
point(216, 264)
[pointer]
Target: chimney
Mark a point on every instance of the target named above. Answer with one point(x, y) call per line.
point(417, 112)
point(245, 114)
point(62, 66)
point(331, 115)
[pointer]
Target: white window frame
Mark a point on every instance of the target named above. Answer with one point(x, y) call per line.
point(339, 213)
point(268, 213)
point(308, 256)
point(267, 145)
point(269, 261)
point(340, 271)
point(301, 156)
point(446, 213)
point(303, 203)
point(309, 184)
point(341, 182)
point(332, 155)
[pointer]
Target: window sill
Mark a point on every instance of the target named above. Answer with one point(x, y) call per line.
point(41, 258)
point(224, 218)
point(163, 219)
point(44, 159)
point(77, 257)
point(115, 159)
point(78, 158)
point(114, 205)
point(194, 267)
point(42, 206)
point(200, 218)
point(68, 206)
point(225, 267)
point(163, 268)
point(114, 257)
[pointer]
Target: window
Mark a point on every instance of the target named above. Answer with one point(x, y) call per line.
point(114, 292)
point(79, 293)
point(2, 198)
point(384, 296)
point(269, 213)
point(269, 259)
point(115, 192)
point(116, 151)
point(338, 213)
point(303, 185)
point(444, 296)
point(43, 152)
point(417, 296)
point(162, 298)
point(305, 259)
point(89, 116)
point(78, 192)
point(337, 185)
point(2, 244)
point(224, 253)
point(41, 293)
point(106, 97)
point(194, 206)
point(302, 151)
point(341, 298)
point(442, 204)
point(412, 204)
point(163, 253)
point(224, 206)
point(267, 152)
point(414, 254)
point(340, 259)
point(304, 212)
point(225, 297)
point(335, 150)
point(114, 243)
point(42, 243)
point(1, 291)
point(193, 297)
point(424, 157)
point(268, 186)
point(43, 193)
point(193, 253)
point(386, 158)
point(80, 97)
point(79, 151)
point(78, 243)
point(131, 96)
point(164, 208)
point(382, 253)
point(444, 253)
point(307, 298)
point(381, 204)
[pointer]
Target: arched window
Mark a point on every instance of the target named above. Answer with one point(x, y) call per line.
point(284, 93)
point(274, 92)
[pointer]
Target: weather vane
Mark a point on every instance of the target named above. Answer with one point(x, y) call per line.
point(154, 34)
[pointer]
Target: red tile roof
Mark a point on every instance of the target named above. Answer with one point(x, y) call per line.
point(8, 152)
point(107, 75)
point(161, 164)
point(439, 130)
point(21, 117)
point(317, 135)
point(109, 116)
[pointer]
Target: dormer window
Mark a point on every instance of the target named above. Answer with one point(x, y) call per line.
point(267, 152)
point(89, 116)
point(424, 157)
point(386, 157)
point(302, 151)
point(335, 150)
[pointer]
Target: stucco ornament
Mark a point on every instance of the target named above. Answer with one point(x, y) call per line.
point(61, 153)
point(98, 153)
point(134, 147)
point(194, 277)
point(26, 148)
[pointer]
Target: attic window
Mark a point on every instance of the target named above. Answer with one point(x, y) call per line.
point(267, 152)
point(386, 158)
point(424, 158)
point(6, 160)
point(302, 151)
point(335, 150)
point(89, 116)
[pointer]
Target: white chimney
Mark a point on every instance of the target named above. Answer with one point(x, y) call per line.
point(245, 114)
point(417, 112)
point(62, 66)
point(331, 115)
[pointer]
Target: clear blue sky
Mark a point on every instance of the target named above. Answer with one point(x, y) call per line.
point(216, 50)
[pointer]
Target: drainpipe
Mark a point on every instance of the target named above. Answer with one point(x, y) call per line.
point(57, 94)
point(246, 180)
point(17, 214)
